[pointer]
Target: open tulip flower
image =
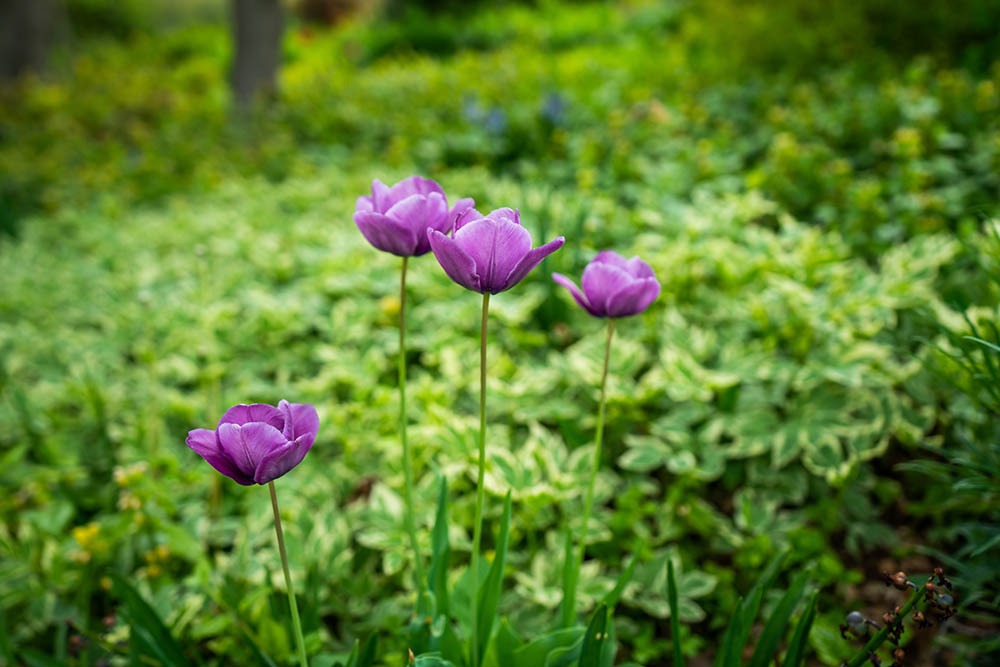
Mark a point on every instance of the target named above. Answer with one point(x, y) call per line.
point(489, 254)
point(255, 444)
point(614, 286)
point(396, 219)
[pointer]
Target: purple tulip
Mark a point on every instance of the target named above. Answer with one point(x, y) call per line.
point(489, 254)
point(614, 286)
point(397, 219)
point(258, 443)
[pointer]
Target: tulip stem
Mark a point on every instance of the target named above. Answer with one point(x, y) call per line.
point(569, 602)
point(288, 578)
point(478, 529)
point(418, 567)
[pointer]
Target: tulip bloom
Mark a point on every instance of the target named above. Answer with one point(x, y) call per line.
point(255, 444)
point(397, 219)
point(613, 286)
point(489, 254)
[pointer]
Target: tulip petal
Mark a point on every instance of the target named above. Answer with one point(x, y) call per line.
point(206, 444)
point(364, 203)
point(464, 217)
point(277, 462)
point(246, 445)
point(458, 211)
point(256, 412)
point(530, 260)
point(633, 266)
point(300, 418)
point(640, 269)
point(634, 298)
point(414, 185)
point(560, 279)
point(457, 263)
point(600, 281)
point(380, 196)
point(505, 214)
point(496, 246)
point(386, 234)
point(420, 213)
point(611, 257)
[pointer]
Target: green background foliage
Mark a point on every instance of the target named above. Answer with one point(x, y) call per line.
point(819, 222)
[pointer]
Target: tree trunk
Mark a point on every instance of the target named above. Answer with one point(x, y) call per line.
point(256, 48)
point(27, 29)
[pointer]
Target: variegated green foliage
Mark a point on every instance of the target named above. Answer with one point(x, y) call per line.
point(173, 263)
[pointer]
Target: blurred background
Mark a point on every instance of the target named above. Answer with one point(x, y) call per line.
point(815, 183)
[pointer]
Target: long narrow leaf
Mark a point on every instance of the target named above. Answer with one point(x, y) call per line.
point(593, 641)
point(437, 579)
point(150, 637)
point(615, 594)
point(796, 652)
point(728, 656)
point(489, 592)
point(767, 644)
point(366, 658)
point(675, 624)
point(752, 604)
point(566, 610)
point(744, 613)
point(536, 652)
point(506, 644)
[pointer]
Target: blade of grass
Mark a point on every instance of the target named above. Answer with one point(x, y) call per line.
point(566, 611)
point(489, 593)
point(752, 604)
point(149, 634)
point(437, 578)
point(593, 641)
point(729, 656)
point(796, 652)
point(767, 644)
point(675, 624)
point(615, 594)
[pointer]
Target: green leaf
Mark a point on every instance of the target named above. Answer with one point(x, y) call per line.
point(507, 642)
point(535, 653)
point(150, 637)
point(352, 659)
point(567, 611)
point(437, 578)
point(983, 342)
point(615, 594)
point(593, 641)
point(796, 652)
point(263, 659)
point(431, 660)
point(489, 592)
point(738, 630)
point(363, 656)
point(675, 624)
point(33, 658)
point(752, 603)
point(729, 656)
point(767, 644)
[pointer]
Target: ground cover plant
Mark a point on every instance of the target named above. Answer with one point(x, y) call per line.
point(815, 378)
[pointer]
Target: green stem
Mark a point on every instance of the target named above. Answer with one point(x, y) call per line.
point(569, 603)
point(411, 528)
point(480, 491)
point(875, 642)
point(288, 578)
